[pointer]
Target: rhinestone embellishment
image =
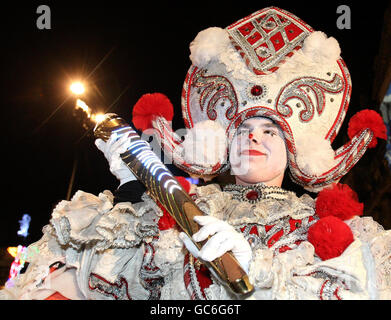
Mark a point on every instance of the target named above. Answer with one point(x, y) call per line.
point(256, 90)
point(252, 195)
point(256, 192)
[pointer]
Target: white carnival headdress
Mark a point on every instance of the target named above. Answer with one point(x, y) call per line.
point(274, 65)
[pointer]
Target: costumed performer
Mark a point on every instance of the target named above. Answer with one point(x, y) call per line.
point(274, 93)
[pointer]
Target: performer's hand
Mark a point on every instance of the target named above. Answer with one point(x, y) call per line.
point(223, 238)
point(112, 150)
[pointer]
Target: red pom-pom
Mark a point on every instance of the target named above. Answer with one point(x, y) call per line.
point(166, 221)
point(368, 119)
point(184, 183)
point(149, 106)
point(339, 201)
point(330, 237)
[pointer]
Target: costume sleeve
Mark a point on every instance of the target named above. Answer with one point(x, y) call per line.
point(360, 272)
point(93, 243)
point(378, 243)
point(346, 277)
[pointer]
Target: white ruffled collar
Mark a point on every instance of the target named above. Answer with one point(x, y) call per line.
point(273, 204)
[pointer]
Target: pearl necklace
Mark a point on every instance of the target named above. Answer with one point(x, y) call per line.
point(256, 192)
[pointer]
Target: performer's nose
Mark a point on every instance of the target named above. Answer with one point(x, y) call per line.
point(252, 137)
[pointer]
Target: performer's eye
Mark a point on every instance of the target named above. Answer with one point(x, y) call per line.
point(270, 132)
point(242, 131)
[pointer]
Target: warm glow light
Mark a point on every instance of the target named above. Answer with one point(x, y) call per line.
point(98, 117)
point(13, 251)
point(94, 117)
point(77, 88)
point(82, 105)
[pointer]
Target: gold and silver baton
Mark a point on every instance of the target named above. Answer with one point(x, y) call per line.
point(164, 188)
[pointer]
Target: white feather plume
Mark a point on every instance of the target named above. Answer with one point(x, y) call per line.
point(315, 156)
point(205, 144)
point(319, 48)
point(208, 45)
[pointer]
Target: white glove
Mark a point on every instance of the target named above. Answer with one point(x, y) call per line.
point(112, 150)
point(223, 238)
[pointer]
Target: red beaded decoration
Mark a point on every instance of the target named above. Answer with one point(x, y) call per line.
point(256, 90)
point(252, 195)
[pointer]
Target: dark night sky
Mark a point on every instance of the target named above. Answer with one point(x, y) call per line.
point(146, 49)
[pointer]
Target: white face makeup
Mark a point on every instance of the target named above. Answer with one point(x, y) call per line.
point(258, 153)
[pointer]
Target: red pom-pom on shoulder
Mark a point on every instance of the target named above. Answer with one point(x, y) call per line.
point(339, 201)
point(368, 119)
point(148, 107)
point(330, 237)
point(166, 221)
point(184, 183)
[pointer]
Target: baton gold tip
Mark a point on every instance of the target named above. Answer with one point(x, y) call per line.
point(242, 286)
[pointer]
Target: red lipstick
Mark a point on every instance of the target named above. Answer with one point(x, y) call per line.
point(253, 152)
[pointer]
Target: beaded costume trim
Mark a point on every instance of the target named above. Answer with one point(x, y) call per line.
point(255, 193)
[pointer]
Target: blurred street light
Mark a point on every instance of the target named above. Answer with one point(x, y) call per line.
point(77, 88)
